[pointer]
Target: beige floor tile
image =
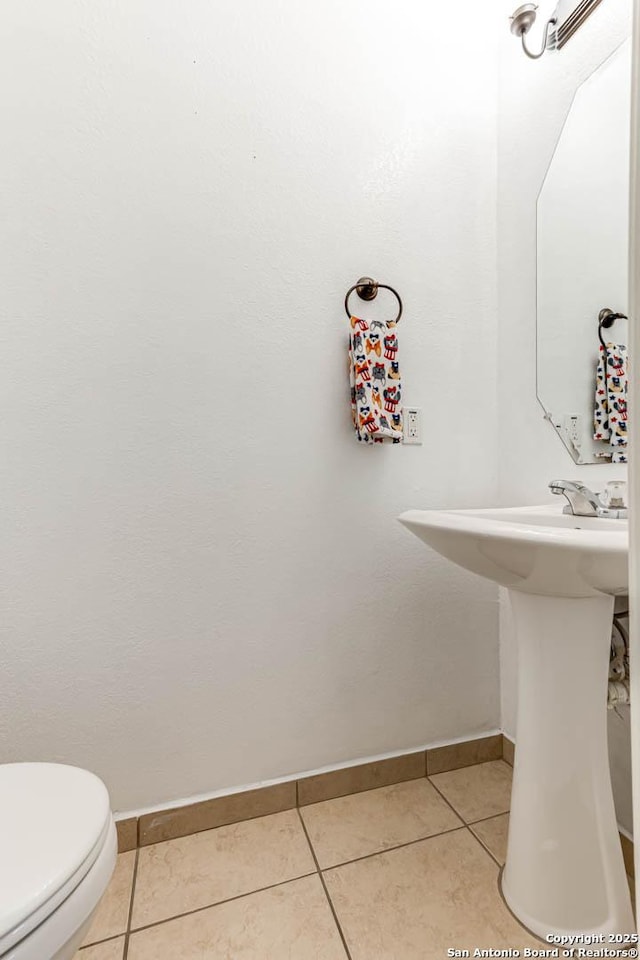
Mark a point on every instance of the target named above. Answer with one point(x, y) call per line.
point(112, 950)
point(365, 823)
point(416, 902)
point(493, 834)
point(290, 922)
point(177, 876)
point(477, 792)
point(113, 913)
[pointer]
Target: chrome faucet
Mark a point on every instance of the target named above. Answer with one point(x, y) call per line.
point(584, 502)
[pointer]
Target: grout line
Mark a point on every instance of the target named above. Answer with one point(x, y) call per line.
point(485, 847)
point(397, 846)
point(324, 887)
point(500, 872)
point(494, 816)
point(218, 903)
point(468, 822)
point(458, 815)
point(98, 943)
point(125, 952)
point(122, 933)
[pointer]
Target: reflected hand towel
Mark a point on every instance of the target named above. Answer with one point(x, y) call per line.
point(610, 416)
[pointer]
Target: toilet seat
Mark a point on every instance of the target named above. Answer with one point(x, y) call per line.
point(55, 821)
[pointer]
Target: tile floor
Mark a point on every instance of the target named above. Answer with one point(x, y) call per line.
point(398, 873)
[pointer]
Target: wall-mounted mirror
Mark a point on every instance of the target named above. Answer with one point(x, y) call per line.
point(583, 228)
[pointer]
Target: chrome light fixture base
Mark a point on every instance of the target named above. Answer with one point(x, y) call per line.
point(523, 19)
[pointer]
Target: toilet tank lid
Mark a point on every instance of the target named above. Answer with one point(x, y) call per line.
point(52, 820)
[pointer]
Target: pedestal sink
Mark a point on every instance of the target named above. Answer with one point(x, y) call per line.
point(564, 872)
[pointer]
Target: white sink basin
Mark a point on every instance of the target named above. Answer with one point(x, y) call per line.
point(537, 550)
point(564, 872)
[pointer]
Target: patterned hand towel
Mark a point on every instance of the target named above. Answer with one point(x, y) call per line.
point(374, 373)
point(610, 417)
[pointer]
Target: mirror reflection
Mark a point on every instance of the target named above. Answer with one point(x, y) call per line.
point(583, 226)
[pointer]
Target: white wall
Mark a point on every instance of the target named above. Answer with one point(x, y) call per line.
point(534, 98)
point(205, 583)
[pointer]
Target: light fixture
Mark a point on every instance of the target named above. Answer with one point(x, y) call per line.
point(567, 19)
point(522, 21)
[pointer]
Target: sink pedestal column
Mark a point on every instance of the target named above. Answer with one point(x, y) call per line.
point(564, 872)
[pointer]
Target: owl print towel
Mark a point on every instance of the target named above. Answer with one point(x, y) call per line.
point(376, 391)
point(610, 417)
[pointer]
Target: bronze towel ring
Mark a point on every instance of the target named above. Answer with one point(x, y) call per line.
point(367, 289)
point(606, 319)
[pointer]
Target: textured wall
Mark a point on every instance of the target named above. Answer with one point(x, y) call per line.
point(205, 583)
point(533, 103)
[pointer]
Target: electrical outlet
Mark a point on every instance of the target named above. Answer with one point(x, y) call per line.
point(573, 429)
point(412, 425)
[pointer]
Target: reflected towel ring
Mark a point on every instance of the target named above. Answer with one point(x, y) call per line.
point(606, 319)
point(367, 289)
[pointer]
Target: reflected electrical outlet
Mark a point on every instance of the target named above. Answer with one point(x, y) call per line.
point(572, 427)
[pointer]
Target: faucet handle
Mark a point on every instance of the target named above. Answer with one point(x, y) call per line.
point(615, 495)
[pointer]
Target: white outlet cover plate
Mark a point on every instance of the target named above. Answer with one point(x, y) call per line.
point(412, 425)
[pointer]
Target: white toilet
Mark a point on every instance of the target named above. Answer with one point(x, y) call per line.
point(57, 853)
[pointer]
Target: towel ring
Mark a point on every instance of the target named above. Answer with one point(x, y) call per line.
point(606, 319)
point(367, 289)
